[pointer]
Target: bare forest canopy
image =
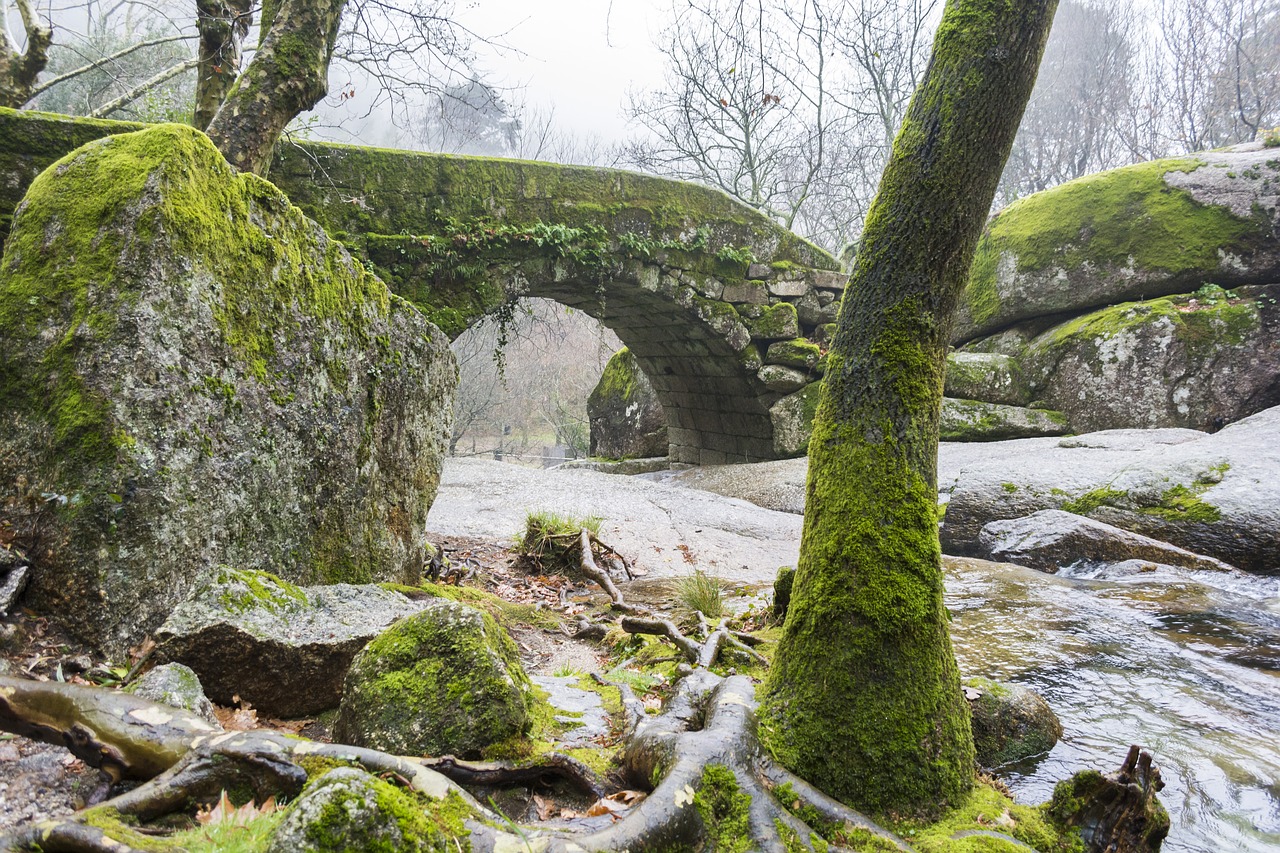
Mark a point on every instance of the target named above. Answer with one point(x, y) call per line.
point(789, 107)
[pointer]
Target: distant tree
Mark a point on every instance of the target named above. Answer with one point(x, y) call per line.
point(747, 102)
point(1221, 71)
point(790, 107)
point(1089, 88)
point(131, 61)
point(469, 118)
point(137, 69)
point(532, 374)
point(863, 697)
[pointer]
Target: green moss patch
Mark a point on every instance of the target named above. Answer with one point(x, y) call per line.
point(1202, 326)
point(507, 613)
point(987, 809)
point(1178, 503)
point(248, 589)
point(725, 810)
point(447, 680)
point(1109, 219)
point(1091, 500)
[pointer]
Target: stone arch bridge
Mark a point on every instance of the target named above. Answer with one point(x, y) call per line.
point(724, 310)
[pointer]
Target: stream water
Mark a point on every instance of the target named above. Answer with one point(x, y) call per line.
point(1186, 664)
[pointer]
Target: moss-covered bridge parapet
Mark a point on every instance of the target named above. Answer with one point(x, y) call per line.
point(724, 310)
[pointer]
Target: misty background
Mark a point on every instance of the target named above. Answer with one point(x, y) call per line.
point(791, 107)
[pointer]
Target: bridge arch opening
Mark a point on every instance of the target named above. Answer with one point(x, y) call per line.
point(696, 352)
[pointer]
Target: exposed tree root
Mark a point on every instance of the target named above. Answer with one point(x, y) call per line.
point(642, 621)
point(504, 774)
point(713, 786)
point(713, 782)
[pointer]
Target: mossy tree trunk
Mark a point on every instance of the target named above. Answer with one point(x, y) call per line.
point(864, 698)
point(18, 71)
point(223, 26)
point(289, 74)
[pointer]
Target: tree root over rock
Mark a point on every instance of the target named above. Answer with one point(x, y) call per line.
point(712, 778)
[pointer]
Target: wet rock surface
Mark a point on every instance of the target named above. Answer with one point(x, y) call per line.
point(580, 710)
point(1051, 539)
point(1212, 494)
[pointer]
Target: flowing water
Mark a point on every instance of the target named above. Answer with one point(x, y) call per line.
point(1186, 664)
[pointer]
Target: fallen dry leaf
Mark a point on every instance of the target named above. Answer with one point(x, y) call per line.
point(627, 798)
point(605, 806)
point(142, 650)
point(293, 727)
point(241, 719)
point(226, 812)
point(545, 808)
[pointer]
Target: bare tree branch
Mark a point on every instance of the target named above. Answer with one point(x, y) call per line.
point(141, 89)
point(98, 63)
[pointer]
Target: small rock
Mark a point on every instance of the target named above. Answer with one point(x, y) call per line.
point(785, 379)
point(973, 420)
point(77, 664)
point(12, 587)
point(177, 686)
point(282, 648)
point(1010, 722)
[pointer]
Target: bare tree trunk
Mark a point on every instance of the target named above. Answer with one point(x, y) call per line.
point(18, 71)
point(863, 698)
point(288, 75)
point(223, 25)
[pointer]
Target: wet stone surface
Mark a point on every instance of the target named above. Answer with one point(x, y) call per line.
point(580, 709)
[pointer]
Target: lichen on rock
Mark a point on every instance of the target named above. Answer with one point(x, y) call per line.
point(194, 373)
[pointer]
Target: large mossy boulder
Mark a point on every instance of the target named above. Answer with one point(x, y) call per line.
point(194, 373)
point(1146, 230)
point(627, 421)
point(445, 681)
point(1198, 361)
point(282, 648)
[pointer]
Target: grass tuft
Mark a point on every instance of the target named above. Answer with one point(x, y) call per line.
point(550, 540)
point(701, 592)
